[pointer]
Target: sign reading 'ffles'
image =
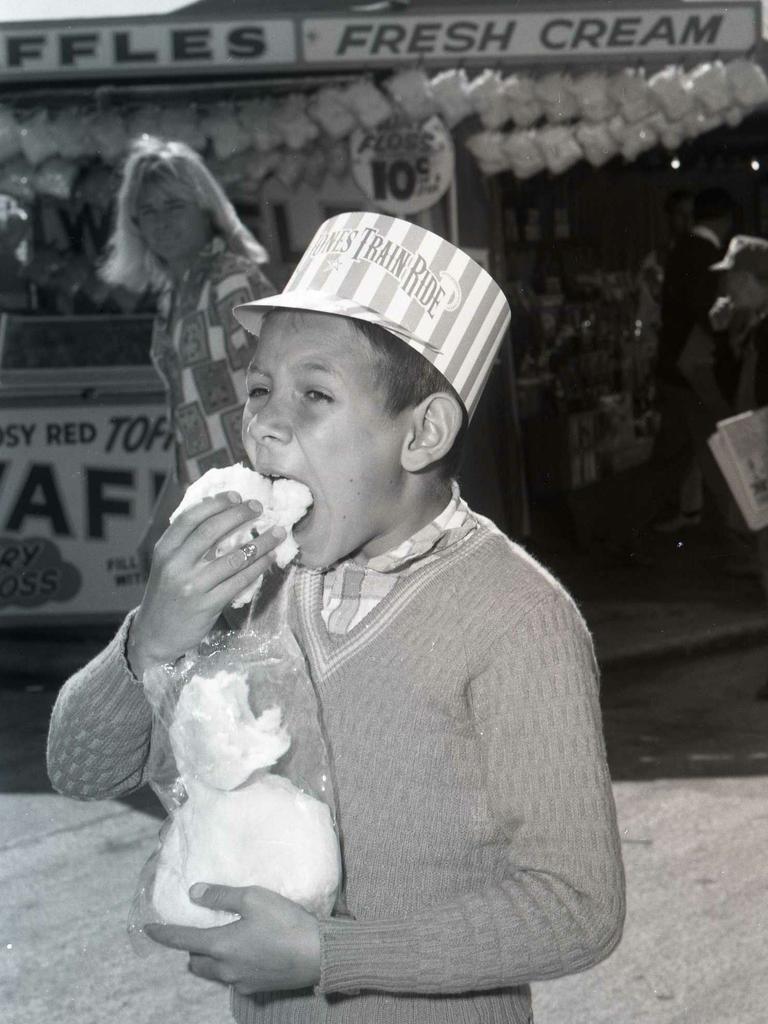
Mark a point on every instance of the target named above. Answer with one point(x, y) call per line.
point(412, 282)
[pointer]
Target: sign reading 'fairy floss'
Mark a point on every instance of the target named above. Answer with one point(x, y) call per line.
point(404, 167)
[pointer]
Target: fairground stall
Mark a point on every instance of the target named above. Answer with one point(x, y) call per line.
point(522, 134)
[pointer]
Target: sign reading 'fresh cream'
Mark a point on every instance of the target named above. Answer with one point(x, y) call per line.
point(520, 35)
point(167, 46)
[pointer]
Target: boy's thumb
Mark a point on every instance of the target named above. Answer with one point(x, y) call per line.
point(217, 897)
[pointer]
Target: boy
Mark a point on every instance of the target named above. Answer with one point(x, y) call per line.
point(456, 678)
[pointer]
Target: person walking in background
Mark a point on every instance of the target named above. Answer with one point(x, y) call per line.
point(678, 212)
point(745, 269)
point(694, 375)
point(695, 383)
point(178, 236)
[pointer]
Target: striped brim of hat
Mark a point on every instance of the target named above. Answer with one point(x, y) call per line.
point(410, 281)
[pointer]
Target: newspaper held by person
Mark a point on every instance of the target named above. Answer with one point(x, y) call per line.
point(740, 448)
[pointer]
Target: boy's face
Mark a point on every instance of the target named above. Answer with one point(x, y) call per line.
point(315, 414)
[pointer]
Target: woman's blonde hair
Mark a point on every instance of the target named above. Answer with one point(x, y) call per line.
point(129, 261)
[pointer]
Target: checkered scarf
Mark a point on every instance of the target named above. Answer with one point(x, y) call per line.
point(352, 591)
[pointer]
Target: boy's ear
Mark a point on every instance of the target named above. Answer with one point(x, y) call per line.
point(434, 425)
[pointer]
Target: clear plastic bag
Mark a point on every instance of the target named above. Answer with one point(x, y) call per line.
point(239, 762)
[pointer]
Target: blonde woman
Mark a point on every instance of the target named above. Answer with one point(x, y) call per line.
point(176, 234)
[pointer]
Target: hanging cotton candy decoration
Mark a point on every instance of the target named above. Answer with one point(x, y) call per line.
point(618, 128)
point(638, 138)
point(698, 123)
point(55, 178)
point(629, 89)
point(257, 119)
point(412, 92)
point(554, 93)
point(488, 149)
point(10, 140)
point(110, 138)
point(592, 96)
point(37, 140)
point(671, 134)
point(523, 153)
point(672, 91)
point(290, 169)
point(225, 131)
point(180, 121)
point(748, 83)
point(71, 131)
point(488, 99)
point(559, 148)
point(368, 104)
point(733, 116)
point(291, 120)
point(524, 108)
point(596, 142)
point(709, 85)
point(328, 109)
point(450, 93)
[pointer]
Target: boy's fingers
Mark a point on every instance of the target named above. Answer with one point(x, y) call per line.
point(209, 534)
point(205, 967)
point(176, 936)
point(183, 525)
point(239, 568)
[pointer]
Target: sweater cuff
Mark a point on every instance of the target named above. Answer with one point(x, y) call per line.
point(426, 955)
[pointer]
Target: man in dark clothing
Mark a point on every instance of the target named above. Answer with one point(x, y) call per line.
point(692, 399)
point(745, 267)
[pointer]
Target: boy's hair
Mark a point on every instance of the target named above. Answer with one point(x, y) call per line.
point(406, 379)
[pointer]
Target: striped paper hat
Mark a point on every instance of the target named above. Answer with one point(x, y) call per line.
point(422, 289)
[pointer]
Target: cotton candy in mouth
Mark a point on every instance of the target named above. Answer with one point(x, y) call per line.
point(284, 502)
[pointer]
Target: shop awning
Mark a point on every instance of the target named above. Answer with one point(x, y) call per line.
point(217, 37)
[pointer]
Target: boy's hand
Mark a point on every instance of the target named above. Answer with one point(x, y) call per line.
point(188, 588)
point(274, 947)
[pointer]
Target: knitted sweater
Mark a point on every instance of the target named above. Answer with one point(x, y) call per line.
point(479, 834)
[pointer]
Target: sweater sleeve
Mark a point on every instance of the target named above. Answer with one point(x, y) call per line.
point(100, 729)
point(559, 907)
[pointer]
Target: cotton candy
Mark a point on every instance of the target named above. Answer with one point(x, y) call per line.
point(369, 105)
point(412, 91)
point(283, 503)
point(265, 832)
point(596, 142)
point(449, 91)
point(748, 82)
point(331, 113)
point(672, 91)
point(216, 737)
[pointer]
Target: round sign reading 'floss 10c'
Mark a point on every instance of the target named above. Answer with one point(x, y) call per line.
point(403, 166)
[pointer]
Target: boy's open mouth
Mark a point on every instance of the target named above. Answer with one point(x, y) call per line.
point(302, 522)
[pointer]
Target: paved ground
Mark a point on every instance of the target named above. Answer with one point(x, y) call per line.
point(688, 748)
